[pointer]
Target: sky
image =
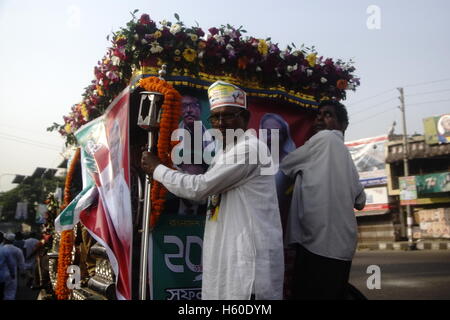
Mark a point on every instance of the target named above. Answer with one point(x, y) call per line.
point(48, 51)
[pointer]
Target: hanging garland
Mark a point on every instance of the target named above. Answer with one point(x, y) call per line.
point(67, 237)
point(170, 116)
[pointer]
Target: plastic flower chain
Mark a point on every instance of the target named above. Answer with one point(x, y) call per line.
point(171, 113)
point(67, 237)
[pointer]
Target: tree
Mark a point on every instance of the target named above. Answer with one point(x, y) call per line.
point(33, 190)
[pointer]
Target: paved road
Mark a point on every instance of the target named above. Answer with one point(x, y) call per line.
point(404, 274)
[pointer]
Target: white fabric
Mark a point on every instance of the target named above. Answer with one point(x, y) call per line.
point(16, 258)
point(10, 236)
point(326, 190)
point(243, 248)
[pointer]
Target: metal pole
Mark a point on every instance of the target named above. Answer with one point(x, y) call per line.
point(145, 232)
point(409, 218)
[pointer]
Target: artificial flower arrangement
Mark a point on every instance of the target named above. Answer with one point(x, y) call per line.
point(189, 51)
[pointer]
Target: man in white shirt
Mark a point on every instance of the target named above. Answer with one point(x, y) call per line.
point(242, 245)
point(321, 221)
point(15, 256)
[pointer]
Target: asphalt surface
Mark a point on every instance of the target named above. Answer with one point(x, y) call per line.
point(404, 275)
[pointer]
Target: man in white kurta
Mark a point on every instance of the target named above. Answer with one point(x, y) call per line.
point(15, 256)
point(242, 247)
point(321, 219)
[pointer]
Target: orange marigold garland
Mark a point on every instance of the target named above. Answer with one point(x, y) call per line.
point(170, 115)
point(67, 237)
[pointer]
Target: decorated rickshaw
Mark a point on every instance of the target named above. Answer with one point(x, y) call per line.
point(121, 236)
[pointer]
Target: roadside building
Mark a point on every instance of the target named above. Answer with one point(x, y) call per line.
point(427, 189)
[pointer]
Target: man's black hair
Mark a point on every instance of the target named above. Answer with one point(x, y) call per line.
point(341, 111)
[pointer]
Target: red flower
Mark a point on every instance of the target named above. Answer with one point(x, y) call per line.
point(145, 19)
point(342, 84)
point(199, 32)
point(242, 63)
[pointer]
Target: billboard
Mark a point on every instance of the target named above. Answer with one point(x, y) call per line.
point(408, 188)
point(369, 158)
point(377, 202)
point(437, 129)
point(433, 183)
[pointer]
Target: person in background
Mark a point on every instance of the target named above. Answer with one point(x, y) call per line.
point(31, 247)
point(6, 268)
point(15, 256)
point(19, 242)
point(322, 222)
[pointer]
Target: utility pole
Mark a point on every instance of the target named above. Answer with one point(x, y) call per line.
point(409, 217)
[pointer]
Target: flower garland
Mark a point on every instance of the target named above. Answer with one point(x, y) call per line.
point(171, 113)
point(190, 51)
point(67, 237)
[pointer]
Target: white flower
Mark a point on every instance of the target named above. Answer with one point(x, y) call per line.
point(229, 47)
point(219, 39)
point(258, 69)
point(309, 72)
point(296, 53)
point(144, 42)
point(201, 54)
point(193, 36)
point(323, 80)
point(115, 61)
point(282, 55)
point(175, 28)
point(292, 68)
point(227, 32)
point(222, 61)
point(164, 23)
point(136, 37)
point(155, 47)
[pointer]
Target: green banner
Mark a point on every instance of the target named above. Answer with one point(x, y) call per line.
point(433, 183)
point(176, 268)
